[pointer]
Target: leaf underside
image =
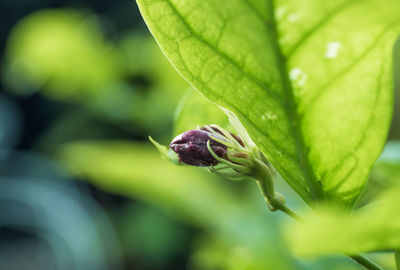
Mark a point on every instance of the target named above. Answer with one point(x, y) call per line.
point(310, 80)
point(195, 111)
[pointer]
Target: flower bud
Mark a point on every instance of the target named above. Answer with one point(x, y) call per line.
point(191, 147)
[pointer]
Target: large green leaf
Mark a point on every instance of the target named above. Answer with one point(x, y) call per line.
point(310, 80)
point(373, 228)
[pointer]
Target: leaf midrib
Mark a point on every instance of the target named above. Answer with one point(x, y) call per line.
point(294, 119)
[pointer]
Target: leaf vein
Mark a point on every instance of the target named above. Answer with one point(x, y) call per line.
point(312, 30)
point(239, 67)
point(353, 64)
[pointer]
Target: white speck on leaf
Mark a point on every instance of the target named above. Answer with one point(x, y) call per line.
point(280, 12)
point(298, 75)
point(295, 73)
point(332, 49)
point(271, 116)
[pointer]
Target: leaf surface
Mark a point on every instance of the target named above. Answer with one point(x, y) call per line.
point(310, 80)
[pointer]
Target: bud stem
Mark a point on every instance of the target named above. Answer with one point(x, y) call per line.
point(267, 189)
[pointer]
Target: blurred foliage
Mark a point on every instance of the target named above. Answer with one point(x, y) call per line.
point(194, 196)
point(384, 175)
point(10, 129)
point(128, 168)
point(150, 236)
point(387, 168)
point(372, 228)
point(64, 54)
point(47, 220)
point(157, 83)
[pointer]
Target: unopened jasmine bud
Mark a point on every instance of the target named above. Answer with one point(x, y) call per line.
point(191, 147)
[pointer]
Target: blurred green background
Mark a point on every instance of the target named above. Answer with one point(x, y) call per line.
point(83, 84)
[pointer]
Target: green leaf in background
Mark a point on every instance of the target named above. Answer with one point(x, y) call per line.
point(141, 55)
point(385, 173)
point(372, 228)
point(63, 52)
point(387, 167)
point(149, 234)
point(310, 80)
point(136, 170)
point(194, 110)
point(158, 85)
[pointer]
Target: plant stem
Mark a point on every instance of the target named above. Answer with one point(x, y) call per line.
point(280, 205)
point(284, 208)
point(367, 263)
point(397, 259)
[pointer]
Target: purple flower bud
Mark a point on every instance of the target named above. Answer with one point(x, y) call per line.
point(191, 147)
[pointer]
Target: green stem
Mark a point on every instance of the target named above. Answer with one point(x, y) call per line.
point(284, 208)
point(364, 261)
point(278, 204)
point(397, 259)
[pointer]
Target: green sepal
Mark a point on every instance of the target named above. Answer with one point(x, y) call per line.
point(165, 152)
